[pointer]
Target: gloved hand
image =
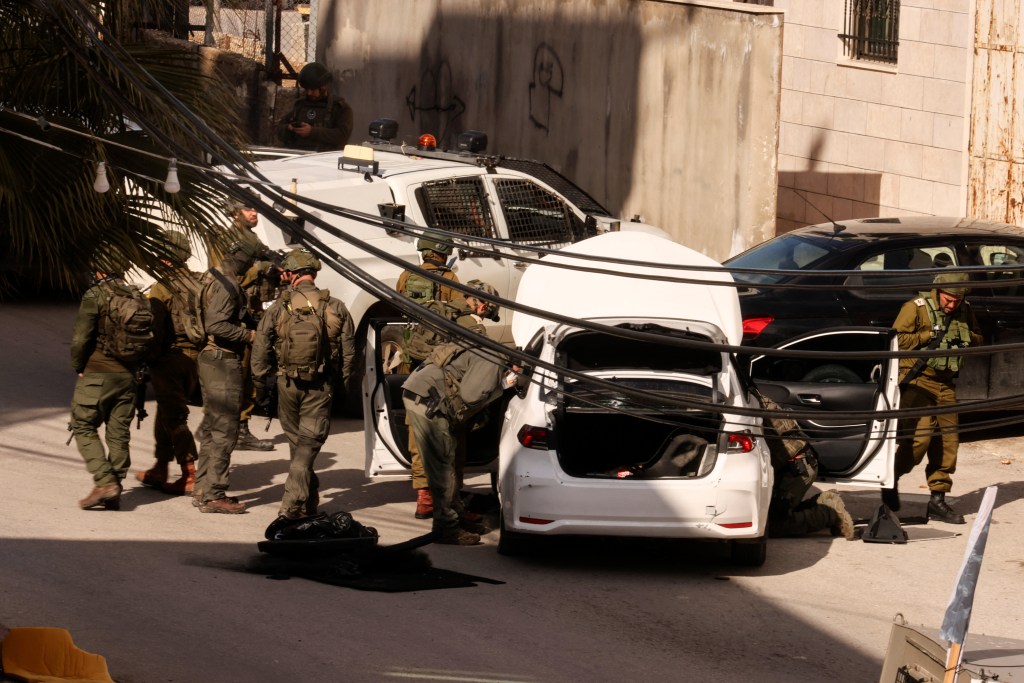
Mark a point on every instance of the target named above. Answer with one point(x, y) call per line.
point(265, 401)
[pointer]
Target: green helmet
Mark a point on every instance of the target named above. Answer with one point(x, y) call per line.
point(433, 242)
point(952, 283)
point(178, 247)
point(299, 259)
point(314, 75)
point(113, 263)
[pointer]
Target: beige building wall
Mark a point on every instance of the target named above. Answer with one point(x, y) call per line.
point(663, 109)
point(858, 139)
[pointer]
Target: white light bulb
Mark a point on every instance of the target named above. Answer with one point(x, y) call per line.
point(101, 184)
point(171, 185)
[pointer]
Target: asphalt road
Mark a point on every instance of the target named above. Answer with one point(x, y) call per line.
point(159, 589)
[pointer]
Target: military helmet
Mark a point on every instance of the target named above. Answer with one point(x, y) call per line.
point(432, 241)
point(111, 263)
point(178, 247)
point(300, 259)
point(314, 75)
point(489, 292)
point(952, 283)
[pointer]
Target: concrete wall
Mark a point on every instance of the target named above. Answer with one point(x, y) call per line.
point(859, 139)
point(668, 110)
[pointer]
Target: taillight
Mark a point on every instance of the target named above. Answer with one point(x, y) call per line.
point(534, 437)
point(752, 327)
point(739, 443)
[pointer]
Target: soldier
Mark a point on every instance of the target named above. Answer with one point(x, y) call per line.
point(221, 377)
point(111, 340)
point(452, 385)
point(259, 282)
point(307, 337)
point(419, 342)
point(434, 253)
point(316, 123)
point(938, 319)
point(796, 469)
point(173, 372)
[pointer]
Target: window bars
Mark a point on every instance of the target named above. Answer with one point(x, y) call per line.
point(872, 30)
point(459, 205)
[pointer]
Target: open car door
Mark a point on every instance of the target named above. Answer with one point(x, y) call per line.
point(385, 433)
point(850, 451)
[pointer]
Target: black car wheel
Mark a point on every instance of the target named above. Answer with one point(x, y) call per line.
point(832, 374)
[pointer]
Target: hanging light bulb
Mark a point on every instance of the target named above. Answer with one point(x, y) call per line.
point(171, 185)
point(101, 184)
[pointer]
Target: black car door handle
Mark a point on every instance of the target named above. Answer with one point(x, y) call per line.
point(810, 399)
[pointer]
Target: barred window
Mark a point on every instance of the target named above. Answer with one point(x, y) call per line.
point(872, 30)
point(457, 204)
point(537, 217)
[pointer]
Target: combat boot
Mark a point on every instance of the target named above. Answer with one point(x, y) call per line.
point(226, 505)
point(424, 504)
point(109, 496)
point(248, 442)
point(185, 484)
point(940, 510)
point(457, 536)
point(155, 476)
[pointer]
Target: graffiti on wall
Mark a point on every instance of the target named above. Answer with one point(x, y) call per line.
point(433, 100)
point(547, 80)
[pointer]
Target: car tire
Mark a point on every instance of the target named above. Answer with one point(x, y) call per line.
point(832, 374)
point(749, 553)
point(511, 543)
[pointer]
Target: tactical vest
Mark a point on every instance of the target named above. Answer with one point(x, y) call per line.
point(420, 339)
point(422, 290)
point(304, 330)
point(957, 336)
point(126, 323)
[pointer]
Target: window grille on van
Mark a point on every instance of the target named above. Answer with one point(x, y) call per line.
point(535, 216)
point(457, 204)
point(872, 30)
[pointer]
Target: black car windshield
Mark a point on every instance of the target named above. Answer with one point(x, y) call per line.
point(789, 252)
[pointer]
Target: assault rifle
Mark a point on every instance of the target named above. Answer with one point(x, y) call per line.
point(140, 396)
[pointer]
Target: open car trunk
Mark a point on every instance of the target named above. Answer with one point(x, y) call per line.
point(602, 432)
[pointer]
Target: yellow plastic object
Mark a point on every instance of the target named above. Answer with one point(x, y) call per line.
point(48, 655)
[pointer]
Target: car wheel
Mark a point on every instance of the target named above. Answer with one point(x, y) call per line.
point(511, 543)
point(832, 374)
point(749, 553)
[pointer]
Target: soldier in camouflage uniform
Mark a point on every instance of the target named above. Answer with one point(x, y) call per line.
point(221, 377)
point(419, 342)
point(931, 382)
point(796, 469)
point(173, 372)
point(434, 253)
point(104, 394)
point(304, 390)
point(452, 385)
point(259, 282)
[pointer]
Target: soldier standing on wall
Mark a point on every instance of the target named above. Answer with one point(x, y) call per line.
point(316, 123)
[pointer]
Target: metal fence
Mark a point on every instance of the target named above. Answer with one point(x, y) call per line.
point(279, 33)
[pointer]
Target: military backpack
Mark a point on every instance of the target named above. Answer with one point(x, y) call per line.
point(187, 307)
point(420, 339)
point(422, 290)
point(126, 323)
point(304, 329)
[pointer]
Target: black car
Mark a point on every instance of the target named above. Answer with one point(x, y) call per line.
point(884, 254)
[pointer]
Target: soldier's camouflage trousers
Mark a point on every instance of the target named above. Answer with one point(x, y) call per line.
point(918, 434)
point(104, 398)
point(789, 514)
point(304, 409)
point(175, 378)
point(220, 378)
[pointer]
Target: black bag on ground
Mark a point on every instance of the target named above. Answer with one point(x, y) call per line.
point(336, 525)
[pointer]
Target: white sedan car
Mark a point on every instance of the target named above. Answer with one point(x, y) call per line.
point(644, 436)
